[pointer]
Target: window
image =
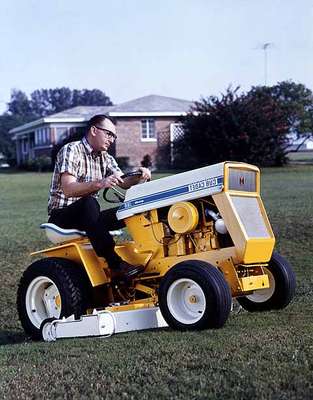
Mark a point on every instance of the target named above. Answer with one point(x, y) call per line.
point(148, 130)
point(62, 132)
point(42, 136)
point(24, 145)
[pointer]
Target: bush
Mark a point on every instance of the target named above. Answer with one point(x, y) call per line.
point(250, 127)
point(146, 161)
point(39, 164)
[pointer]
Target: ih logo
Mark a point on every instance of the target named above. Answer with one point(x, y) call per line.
point(241, 180)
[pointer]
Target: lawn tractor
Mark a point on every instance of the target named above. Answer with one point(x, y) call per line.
point(204, 239)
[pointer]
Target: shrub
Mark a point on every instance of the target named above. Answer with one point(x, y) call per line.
point(146, 161)
point(39, 164)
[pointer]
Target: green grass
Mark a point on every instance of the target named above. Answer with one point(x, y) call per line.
point(301, 157)
point(268, 355)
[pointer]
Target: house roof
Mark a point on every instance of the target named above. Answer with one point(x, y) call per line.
point(150, 106)
point(153, 103)
point(85, 112)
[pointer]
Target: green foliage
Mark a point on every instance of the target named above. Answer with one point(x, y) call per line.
point(38, 164)
point(49, 101)
point(261, 356)
point(44, 102)
point(297, 102)
point(252, 127)
point(20, 106)
point(7, 147)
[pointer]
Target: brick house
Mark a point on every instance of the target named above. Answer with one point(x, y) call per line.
point(143, 126)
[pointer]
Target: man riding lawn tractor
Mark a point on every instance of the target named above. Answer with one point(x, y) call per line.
point(81, 170)
point(200, 238)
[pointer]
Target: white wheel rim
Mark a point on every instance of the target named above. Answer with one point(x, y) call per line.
point(186, 301)
point(42, 300)
point(262, 295)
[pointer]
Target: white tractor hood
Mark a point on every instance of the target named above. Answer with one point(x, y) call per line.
point(163, 192)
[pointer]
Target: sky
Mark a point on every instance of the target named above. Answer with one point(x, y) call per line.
point(131, 48)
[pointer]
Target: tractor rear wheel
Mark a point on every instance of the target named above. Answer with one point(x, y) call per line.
point(281, 291)
point(194, 295)
point(49, 288)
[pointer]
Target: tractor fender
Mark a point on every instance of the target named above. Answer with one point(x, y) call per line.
point(82, 253)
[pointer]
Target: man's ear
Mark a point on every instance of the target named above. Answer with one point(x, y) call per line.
point(93, 131)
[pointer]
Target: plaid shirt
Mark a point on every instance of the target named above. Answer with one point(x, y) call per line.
point(79, 160)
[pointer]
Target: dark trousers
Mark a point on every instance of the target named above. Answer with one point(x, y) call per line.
point(85, 215)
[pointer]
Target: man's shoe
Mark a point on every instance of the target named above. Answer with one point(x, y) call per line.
point(125, 271)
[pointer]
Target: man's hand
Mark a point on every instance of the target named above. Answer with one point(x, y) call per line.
point(111, 181)
point(146, 174)
point(72, 188)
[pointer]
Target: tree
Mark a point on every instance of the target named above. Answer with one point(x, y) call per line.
point(41, 103)
point(297, 102)
point(94, 97)
point(45, 102)
point(248, 127)
point(49, 101)
point(20, 106)
point(7, 147)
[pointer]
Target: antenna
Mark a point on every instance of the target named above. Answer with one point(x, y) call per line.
point(265, 47)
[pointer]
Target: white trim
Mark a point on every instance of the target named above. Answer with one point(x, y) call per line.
point(149, 140)
point(147, 114)
point(28, 125)
point(46, 121)
point(67, 119)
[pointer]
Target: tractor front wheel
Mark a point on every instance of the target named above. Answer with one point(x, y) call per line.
point(281, 291)
point(49, 288)
point(194, 295)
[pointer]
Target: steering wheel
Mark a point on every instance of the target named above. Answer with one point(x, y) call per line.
point(120, 196)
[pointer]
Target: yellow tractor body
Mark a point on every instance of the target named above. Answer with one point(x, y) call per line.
point(211, 216)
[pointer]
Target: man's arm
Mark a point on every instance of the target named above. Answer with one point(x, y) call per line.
point(72, 188)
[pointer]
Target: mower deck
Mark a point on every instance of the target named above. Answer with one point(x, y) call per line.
point(103, 323)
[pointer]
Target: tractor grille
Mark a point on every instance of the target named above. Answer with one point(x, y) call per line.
point(242, 180)
point(251, 217)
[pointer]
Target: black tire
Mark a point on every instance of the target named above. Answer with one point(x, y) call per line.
point(55, 274)
point(282, 292)
point(212, 293)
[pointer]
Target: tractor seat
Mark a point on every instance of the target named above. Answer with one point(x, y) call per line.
point(58, 235)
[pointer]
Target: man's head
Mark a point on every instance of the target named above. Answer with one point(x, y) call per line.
point(101, 132)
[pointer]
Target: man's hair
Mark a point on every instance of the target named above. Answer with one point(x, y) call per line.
point(97, 119)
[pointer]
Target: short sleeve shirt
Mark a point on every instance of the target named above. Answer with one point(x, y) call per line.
point(79, 160)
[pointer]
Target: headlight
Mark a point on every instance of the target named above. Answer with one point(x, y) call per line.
point(220, 226)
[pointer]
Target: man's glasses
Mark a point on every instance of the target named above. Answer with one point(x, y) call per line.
point(109, 133)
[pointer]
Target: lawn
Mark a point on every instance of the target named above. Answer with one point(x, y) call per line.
point(301, 157)
point(268, 355)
